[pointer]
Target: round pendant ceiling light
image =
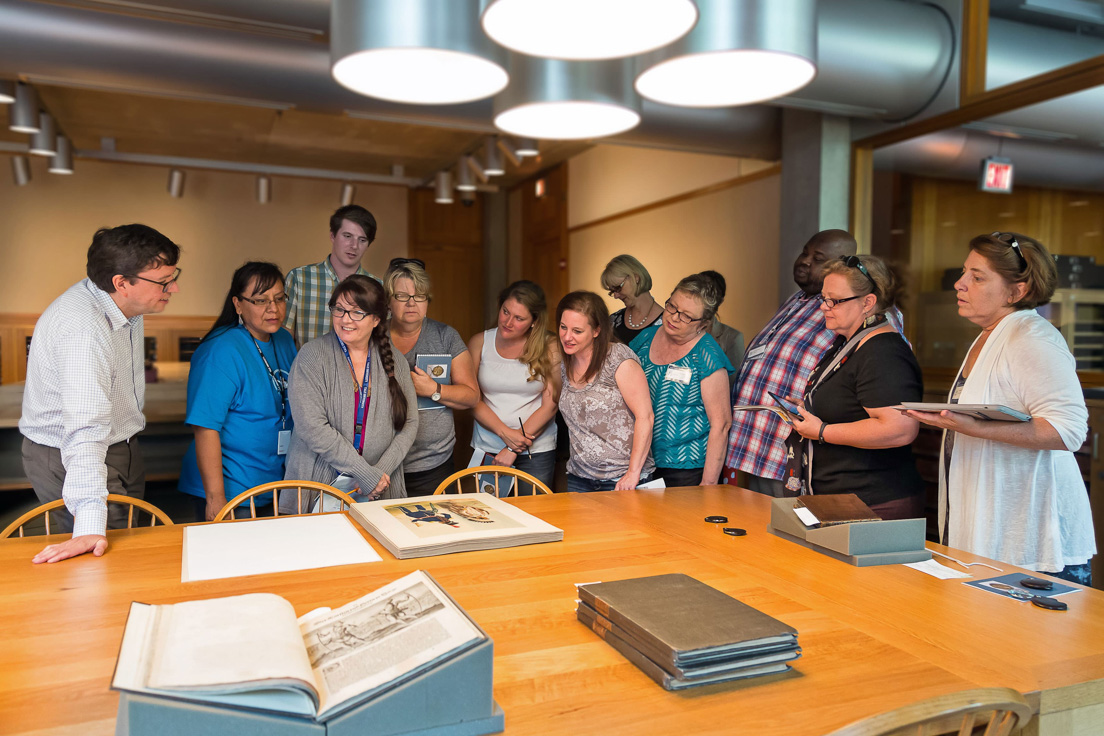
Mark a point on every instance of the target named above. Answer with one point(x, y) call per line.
point(587, 29)
point(428, 52)
point(550, 99)
point(738, 54)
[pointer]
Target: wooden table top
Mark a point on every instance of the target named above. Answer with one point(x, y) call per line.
point(873, 638)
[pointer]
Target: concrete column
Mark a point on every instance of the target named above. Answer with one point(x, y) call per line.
point(816, 171)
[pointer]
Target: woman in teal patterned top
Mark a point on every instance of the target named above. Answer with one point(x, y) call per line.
point(688, 379)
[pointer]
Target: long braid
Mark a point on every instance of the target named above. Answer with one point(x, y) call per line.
point(387, 356)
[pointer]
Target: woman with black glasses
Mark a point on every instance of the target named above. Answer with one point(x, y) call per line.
point(1012, 490)
point(355, 412)
point(444, 380)
point(237, 394)
point(688, 381)
point(849, 438)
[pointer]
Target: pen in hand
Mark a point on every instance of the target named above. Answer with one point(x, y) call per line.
point(522, 425)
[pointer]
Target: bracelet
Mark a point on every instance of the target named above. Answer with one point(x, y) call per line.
point(820, 439)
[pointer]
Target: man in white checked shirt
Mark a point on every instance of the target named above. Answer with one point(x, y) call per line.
point(82, 404)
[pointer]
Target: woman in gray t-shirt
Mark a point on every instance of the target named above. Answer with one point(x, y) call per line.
point(604, 400)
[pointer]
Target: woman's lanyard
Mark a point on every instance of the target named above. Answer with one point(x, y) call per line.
point(278, 382)
point(362, 394)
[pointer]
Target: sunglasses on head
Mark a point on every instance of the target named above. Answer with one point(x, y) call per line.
point(1010, 240)
point(400, 262)
point(854, 262)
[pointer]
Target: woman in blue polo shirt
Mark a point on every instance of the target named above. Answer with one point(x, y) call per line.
point(237, 394)
point(688, 380)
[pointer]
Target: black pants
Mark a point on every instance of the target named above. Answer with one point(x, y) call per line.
point(425, 482)
point(674, 477)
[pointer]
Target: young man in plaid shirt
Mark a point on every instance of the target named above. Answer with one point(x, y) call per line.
point(352, 230)
point(780, 359)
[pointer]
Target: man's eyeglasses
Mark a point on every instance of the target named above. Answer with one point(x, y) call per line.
point(854, 262)
point(265, 303)
point(1010, 240)
point(339, 312)
point(617, 288)
point(404, 297)
point(831, 303)
point(163, 284)
point(679, 315)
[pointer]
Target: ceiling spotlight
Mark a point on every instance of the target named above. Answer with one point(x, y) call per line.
point(21, 170)
point(738, 54)
point(429, 52)
point(509, 151)
point(465, 180)
point(7, 92)
point(492, 158)
point(527, 147)
point(62, 162)
point(567, 100)
point(176, 183)
point(264, 189)
point(443, 188)
point(348, 193)
point(44, 142)
point(24, 113)
point(587, 29)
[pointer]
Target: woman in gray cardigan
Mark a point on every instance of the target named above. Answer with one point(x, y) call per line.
point(324, 390)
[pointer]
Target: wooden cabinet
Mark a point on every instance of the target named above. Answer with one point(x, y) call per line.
point(1096, 484)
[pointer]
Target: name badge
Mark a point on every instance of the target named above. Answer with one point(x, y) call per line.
point(283, 441)
point(958, 392)
point(678, 374)
point(756, 353)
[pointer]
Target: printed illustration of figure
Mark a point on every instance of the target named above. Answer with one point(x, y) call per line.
point(421, 513)
point(401, 608)
point(471, 513)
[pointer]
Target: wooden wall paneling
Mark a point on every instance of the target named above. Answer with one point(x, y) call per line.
point(544, 250)
point(862, 195)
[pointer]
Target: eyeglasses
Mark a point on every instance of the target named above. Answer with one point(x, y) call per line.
point(831, 303)
point(679, 315)
point(404, 297)
point(163, 284)
point(1011, 243)
point(617, 288)
point(339, 312)
point(265, 303)
point(854, 262)
point(400, 262)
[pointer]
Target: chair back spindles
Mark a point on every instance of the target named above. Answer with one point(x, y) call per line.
point(998, 710)
point(497, 471)
point(46, 509)
point(300, 487)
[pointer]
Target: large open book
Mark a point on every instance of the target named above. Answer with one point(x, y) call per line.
point(250, 651)
point(439, 525)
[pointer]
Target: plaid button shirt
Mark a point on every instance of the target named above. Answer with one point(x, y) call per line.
point(308, 290)
point(794, 341)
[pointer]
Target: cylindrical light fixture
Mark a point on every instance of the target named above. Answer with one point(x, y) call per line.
point(21, 170)
point(738, 54)
point(443, 188)
point(429, 52)
point(567, 100)
point(465, 180)
point(492, 158)
point(24, 113)
point(587, 29)
point(527, 147)
point(7, 92)
point(62, 162)
point(348, 193)
point(44, 142)
point(264, 189)
point(176, 183)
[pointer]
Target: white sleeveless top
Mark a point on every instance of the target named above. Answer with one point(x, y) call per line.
point(507, 392)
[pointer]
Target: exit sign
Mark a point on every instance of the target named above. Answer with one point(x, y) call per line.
point(996, 175)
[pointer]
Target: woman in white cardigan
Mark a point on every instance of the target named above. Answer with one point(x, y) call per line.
point(1012, 490)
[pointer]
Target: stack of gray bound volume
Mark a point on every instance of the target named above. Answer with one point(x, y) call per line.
point(683, 633)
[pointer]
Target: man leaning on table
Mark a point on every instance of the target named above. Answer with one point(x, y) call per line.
point(82, 404)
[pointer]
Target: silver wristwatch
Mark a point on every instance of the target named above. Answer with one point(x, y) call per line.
point(436, 395)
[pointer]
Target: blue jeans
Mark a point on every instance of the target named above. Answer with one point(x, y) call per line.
point(577, 484)
point(542, 466)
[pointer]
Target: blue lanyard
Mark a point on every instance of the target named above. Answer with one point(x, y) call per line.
point(362, 395)
point(278, 383)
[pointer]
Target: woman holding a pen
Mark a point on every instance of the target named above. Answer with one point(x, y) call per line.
point(517, 364)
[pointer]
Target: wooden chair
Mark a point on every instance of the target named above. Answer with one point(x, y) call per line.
point(994, 711)
point(311, 489)
point(155, 513)
point(497, 471)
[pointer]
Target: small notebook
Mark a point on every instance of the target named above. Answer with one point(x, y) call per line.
point(439, 368)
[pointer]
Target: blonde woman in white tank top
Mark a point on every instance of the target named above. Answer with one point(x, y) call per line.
point(517, 364)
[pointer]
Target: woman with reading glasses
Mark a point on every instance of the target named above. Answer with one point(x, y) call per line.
point(418, 337)
point(237, 394)
point(688, 380)
point(356, 415)
point(1012, 490)
point(626, 279)
point(849, 438)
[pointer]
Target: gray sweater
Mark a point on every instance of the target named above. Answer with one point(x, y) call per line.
point(321, 395)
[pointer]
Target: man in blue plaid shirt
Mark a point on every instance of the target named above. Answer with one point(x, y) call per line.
point(352, 230)
point(779, 360)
